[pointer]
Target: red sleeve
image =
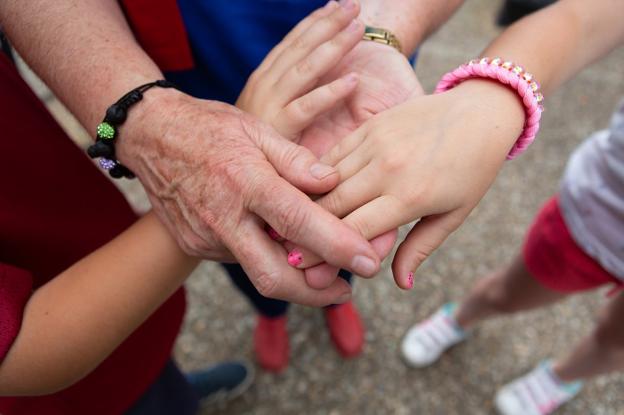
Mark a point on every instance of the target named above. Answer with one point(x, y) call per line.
point(15, 289)
point(159, 29)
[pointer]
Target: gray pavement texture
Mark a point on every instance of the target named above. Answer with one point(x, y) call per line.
point(220, 322)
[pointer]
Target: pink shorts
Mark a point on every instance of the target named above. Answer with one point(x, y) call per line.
point(555, 260)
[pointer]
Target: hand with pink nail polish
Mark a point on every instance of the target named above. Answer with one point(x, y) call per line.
point(386, 80)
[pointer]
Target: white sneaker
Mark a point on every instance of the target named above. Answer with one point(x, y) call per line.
point(539, 392)
point(425, 342)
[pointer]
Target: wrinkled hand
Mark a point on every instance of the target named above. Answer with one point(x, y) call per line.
point(386, 79)
point(214, 175)
point(431, 158)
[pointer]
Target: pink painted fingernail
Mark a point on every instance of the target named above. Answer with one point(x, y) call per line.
point(295, 258)
point(274, 235)
point(410, 280)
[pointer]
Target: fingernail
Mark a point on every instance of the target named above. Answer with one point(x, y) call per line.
point(364, 265)
point(353, 26)
point(274, 235)
point(410, 280)
point(320, 171)
point(295, 258)
point(343, 298)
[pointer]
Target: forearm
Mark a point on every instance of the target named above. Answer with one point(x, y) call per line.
point(557, 42)
point(72, 323)
point(553, 44)
point(83, 50)
point(410, 20)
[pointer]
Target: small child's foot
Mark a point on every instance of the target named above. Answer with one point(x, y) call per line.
point(222, 382)
point(425, 342)
point(539, 392)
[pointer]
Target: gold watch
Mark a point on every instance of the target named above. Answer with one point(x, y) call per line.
point(379, 35)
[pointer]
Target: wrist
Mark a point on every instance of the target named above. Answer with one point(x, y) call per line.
point(147, 121)
point(498, 106)
point(366, 48)
point(409, 35)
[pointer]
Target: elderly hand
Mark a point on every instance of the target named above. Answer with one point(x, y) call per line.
point(214, 175)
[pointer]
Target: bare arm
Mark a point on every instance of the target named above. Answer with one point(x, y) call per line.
point(72, 323)
point(447, 148)
point(82, 49)
point(185, 150)
point(410, 20)
point(557, 42)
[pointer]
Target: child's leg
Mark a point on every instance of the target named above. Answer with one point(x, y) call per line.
point(508, 290)
point(601, 351)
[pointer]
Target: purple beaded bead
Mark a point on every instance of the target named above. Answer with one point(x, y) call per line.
point(107, 164)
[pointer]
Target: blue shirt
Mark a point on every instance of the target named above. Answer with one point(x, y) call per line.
point(230, 38)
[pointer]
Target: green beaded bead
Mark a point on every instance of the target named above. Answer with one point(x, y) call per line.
point(105, 131)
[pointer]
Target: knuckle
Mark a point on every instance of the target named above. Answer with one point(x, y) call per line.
point(290, 156)
point(300, 43)
point(303, 106)
point(335, 20)
point(304, 67)
point(361, 226)
point(414, 197)
point(392, 162)
point(267, 284)
point(331, 202)
point(420, 255)
point(292, 219)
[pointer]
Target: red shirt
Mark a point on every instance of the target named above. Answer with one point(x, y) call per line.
point(56, 208)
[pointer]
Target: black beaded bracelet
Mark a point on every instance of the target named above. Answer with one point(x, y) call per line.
point(116, 114)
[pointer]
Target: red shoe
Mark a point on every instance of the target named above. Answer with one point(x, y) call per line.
point(271, 343)
point(345, 328)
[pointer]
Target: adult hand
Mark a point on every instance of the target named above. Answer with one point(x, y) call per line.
point(430, 158)
point(386, 79)
point(214, 175)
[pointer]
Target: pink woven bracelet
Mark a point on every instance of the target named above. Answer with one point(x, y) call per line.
point(509, 74)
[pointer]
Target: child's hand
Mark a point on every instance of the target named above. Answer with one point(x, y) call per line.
point(431, 158)
point(280, 91)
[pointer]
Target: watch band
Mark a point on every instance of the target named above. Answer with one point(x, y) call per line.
point(379, 35)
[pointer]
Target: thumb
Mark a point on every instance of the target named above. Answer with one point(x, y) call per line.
point(297, 164)
point(424, 238)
